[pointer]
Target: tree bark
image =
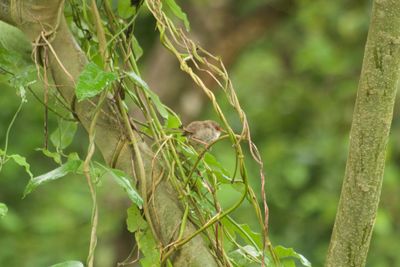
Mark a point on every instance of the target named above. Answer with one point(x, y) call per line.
point(31, 17)
point(370, 128)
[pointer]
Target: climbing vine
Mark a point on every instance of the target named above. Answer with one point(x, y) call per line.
point(106, 32)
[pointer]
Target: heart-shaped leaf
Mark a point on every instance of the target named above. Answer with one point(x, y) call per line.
point(92, 81)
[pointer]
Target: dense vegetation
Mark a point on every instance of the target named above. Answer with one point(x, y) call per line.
point(296, 80)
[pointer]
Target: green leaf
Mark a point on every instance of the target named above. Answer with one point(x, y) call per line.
point(71, 166)
point(220, 172)
point(173, 122)
point(125, 9)
point(123, 180)
point(135, 221)
point(21, 161)
point(288, 253)
point(250, 233)
point(214, 163)
point(138, 81)
point(16, 44)
point(150, 262)
point(246, 255)
point(96, 173)
point(148, 247)
point(15, 62)
point(18, 159)
point(178, 12)
point(92, 81)
point(188, 152)
point(62, 137)
point(154, 98)
point(217, 168)
point(68, 264)
point(137, 49)
point(53, 155)
point(3, 210)
point(244, 231)
point(288, 263)
point(73, 156)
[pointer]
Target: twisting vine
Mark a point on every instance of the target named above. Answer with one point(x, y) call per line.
point(189, 171)
point(174, 39)
point(168, 148)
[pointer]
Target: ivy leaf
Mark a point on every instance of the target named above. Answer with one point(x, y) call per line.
point(92, 81)
point(134, 220)
point(3, 210)
point(178, 12)
point(289, 254)
point(71, 166)
point(154, 98)
point(68, 264)
point(123, 180)
point(62, 137)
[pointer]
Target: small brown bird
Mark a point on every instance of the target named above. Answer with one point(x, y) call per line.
point(203, 131)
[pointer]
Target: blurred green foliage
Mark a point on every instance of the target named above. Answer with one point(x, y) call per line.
point(297, 84)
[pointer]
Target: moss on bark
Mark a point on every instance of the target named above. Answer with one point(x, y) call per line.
point(368, 139)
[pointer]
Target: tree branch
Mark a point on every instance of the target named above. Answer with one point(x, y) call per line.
point(368, 139)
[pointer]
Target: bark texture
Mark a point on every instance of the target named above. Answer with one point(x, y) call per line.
point(32, 17)
point(368, 139)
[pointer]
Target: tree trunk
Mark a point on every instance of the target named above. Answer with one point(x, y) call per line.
point(368, 139)
point(32, 17)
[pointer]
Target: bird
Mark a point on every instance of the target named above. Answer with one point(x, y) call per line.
point(204, 132)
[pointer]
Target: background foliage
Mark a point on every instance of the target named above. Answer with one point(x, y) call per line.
point(297, 82)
